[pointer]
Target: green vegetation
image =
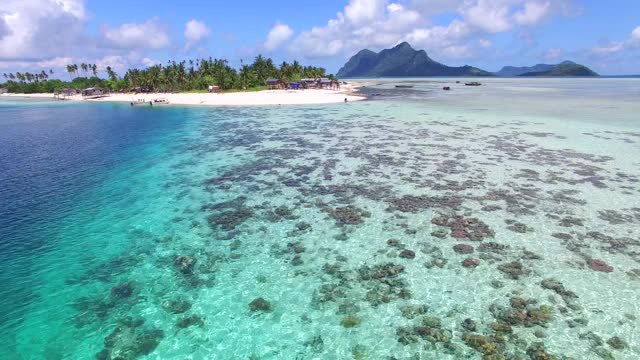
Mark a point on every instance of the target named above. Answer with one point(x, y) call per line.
point(350, 320)
point(564, 69)
point(192, 76)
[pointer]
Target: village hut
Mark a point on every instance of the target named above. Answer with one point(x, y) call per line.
point(68, 91)
point(274, 84)
point(308, 83)
point(324, 83)
point(94, 92)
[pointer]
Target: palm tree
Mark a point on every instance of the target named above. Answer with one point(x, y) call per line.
point(70, 70)
point(84, 68)
point(50, 71)
point(112, 74)
point(11, 76)
point(94, 70)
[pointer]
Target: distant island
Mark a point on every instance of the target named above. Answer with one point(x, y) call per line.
point(401, 61)
point(565, 68)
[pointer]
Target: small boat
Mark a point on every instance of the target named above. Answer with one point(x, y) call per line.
point(141, 102)
point(446, 88)
point(161, 101)
point(473, 83)
point(404, 86)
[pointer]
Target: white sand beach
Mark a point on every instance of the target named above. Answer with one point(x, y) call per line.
point(266, 97)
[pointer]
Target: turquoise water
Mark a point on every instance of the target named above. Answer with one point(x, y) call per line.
point(149, 233)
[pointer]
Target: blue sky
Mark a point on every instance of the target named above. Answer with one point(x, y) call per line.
point(36, 34)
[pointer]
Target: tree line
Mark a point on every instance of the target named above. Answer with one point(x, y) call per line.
point(188, 75)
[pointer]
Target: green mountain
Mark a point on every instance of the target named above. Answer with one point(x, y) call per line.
point(566, 68)
point(401, 61)
point(519, 70)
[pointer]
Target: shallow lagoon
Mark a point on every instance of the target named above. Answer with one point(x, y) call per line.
point(148, 232)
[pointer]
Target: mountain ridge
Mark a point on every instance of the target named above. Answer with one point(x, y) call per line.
point(401, 61)
point(565, 68)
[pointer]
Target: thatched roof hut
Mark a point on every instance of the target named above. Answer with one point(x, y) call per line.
point(94, 92)
point(273, 84)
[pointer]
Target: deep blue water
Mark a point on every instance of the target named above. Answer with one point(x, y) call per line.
point(50, 155)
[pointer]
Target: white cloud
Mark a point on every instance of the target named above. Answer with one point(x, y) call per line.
point(194, 33)
point(612, 47)
point(55, 63)
point(635, 34)
point(609, 48)
point(376, 24)
point(362, 23)
point(40, 28)
point(488, 16)
point(278, 35)
point(360, 12)
point(147, 35)
point(118, 63)
point(149, 62)
point(533, 13)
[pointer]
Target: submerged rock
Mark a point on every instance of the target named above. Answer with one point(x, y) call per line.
point(484, 344)
point(537, 352)
point(440, 233)
point(407, 254)
point(394, 243)
point(617, 343)
point(185, 264)
point(469, 324)
point(190, 321)
point(600, 265)
point(513, 270)
point(128, 343)
point(176, 306)
point(229, 220)
point(463, 249)
point(470, 262)
point(380, 271)
point(123, 290)
point(297, 260)
point(297, 247)
point(260, 304)
point(557, 286)
point(350, 320)
point(349, 215)
point(464, 228)
point(524, 315)
point(315, 343)
point(411, 311)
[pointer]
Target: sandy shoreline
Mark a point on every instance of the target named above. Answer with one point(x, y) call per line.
point(267, 97)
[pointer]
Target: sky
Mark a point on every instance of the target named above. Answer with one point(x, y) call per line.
point(49, 34)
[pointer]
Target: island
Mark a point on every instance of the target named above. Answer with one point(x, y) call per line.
point(565, 68)
point(401, 61)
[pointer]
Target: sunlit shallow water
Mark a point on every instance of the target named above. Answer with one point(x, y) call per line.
point(149, 233)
